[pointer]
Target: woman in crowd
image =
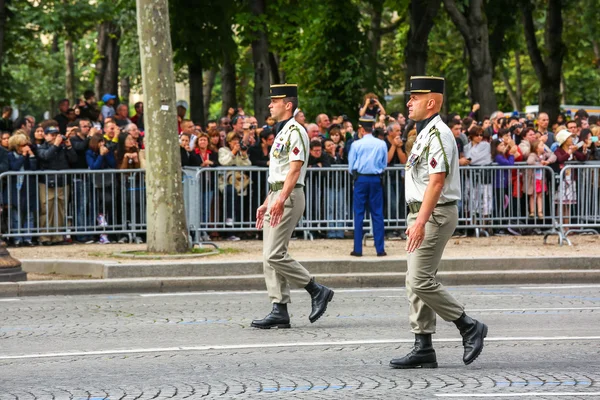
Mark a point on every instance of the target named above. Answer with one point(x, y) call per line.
point(479, 184)
point(567, 190)
point(233, 184)
point(98, 157)
point(37, 137)
point(595, 139)
point(208, 159)
point(335, 189)
point(189, 158)
point(23, 188)
point(535, 181)
point(503, 154)
point(128, 156)
point(335, 134)
point(214, 140)
point(4, 140)
point(371, 107)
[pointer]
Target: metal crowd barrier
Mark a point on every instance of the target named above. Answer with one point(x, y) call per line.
point(578, 200)
point(86, 203)
point(53, 206)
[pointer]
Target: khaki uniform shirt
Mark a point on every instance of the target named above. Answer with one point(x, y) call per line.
point(434, 151)
point(291, 144)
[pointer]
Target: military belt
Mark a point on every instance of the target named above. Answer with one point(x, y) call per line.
point(277, 186)
point(416, 206)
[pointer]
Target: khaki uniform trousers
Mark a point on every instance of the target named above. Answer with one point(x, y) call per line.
point(426, 296)
point(53, 201)
point(279, 268)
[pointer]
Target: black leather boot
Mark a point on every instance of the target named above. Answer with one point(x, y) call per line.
point(473, 333)
point(421, 356)
point(320, 295)
point(278, 318)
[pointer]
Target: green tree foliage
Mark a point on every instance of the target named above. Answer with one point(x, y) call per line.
point(327, 64)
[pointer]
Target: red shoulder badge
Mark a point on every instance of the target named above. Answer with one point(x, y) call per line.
point(433, 163)
point(296, 151)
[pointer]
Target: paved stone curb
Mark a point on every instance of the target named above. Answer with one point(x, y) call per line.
point(256, 282)
point(186, 268)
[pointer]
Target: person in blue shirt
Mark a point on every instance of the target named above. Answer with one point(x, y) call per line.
point(367, 160)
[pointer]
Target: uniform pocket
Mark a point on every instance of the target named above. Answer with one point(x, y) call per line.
point(289, 202)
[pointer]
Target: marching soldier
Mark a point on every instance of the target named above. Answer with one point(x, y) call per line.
point(432, 192)
point(281, 211)
point(367, 160)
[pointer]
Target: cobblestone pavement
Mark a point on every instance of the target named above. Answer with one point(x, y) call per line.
point(544, 343)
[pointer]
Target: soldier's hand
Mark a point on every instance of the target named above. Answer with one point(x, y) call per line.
point(260, 216)
point(415, 234)
point(276, 212)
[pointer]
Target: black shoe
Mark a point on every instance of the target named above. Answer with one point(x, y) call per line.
point(355, 254)
point(473, 333)
point(320, 295)
point(382, 254)
point(277, 318)
point(46, 243)
point(421, 356)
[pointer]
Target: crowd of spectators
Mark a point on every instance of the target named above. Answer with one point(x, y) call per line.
point(86, 136)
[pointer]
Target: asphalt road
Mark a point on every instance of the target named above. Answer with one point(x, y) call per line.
point(543, 343)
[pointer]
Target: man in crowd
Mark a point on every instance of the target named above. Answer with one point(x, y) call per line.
point(366, 162)
point(543, 121)
point(188, 128)
point(138, 118)
point(323, 124)
point(496, 123)
point(122, 115)
point(135, 133)
point(225, 124)
point(56, 155)
point(62, 118)
point(6, 124)
point(111, 135)
point(313, 132)
point(281, 211)
point(88, 109)
point(82, 185)
point(394, 193)
point(108, 109)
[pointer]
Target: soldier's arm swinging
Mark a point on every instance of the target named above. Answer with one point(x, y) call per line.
point(290, 181)
point(416, 233)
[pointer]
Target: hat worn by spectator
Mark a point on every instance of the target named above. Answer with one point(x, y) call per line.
point(366, 123)
point(51, 129)
point(283, 91)
point(108, 97)
point(426, 84)
point(562, 136)
point(182, 103)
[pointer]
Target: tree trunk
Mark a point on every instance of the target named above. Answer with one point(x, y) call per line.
point(512, 95)
point(422, 14)
point(125, 89)
point(228, 84)
point(473, 27)
point(260, 58)
point(563, 90)
point(210, 77)
point(595, 47)
point(519, 79)
point(166, 228)
point(69, 71)
point(107, 65)
point(374, 38)
point(53, 101)
point(196, 92)
point(274, 65)
point(2, 30)
point(548, 72)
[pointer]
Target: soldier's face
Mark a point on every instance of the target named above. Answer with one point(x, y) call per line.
point(277, 108)
point(417, 106)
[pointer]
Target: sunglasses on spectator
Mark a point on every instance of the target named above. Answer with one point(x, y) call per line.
point(479, 135)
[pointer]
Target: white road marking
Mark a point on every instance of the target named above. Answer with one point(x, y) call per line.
point(243, 292)
point(285, 344)
point(559, 287)
point(531, 394)
point(534, 309)
point(10, 299)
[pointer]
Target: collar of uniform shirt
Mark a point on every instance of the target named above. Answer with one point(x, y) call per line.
point(279, 126)
point(423, 124)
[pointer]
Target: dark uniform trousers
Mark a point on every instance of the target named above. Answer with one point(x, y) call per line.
point(427, 297)
point(368, 193)
point(280, 269)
